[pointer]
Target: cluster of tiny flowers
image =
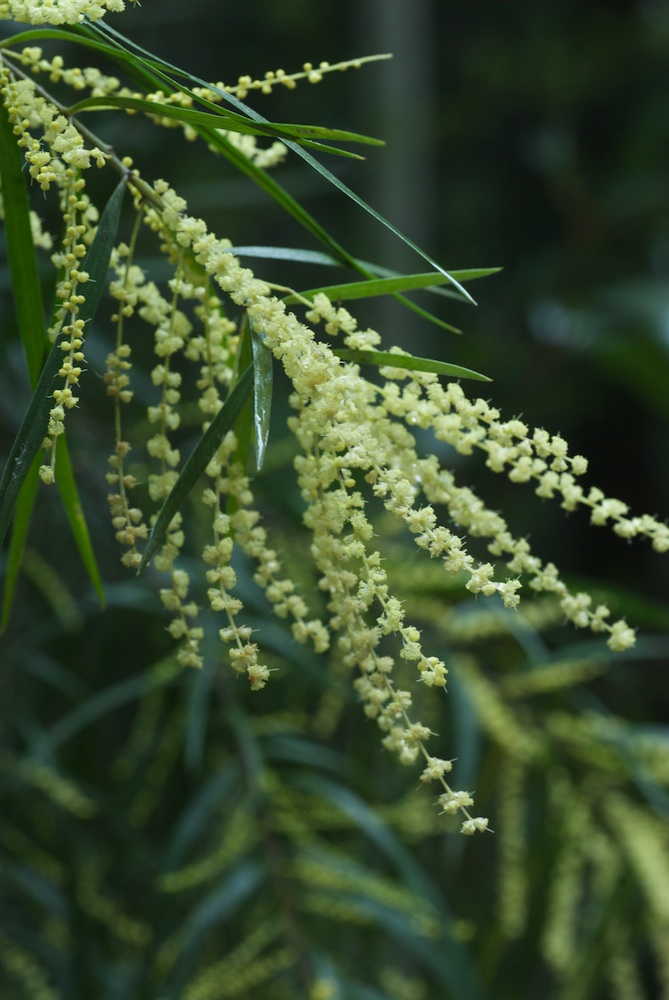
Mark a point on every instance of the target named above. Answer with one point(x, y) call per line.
point(265, 158)
point(56, 158)
point(128, 522)
point(60, 144)
point(58, 11)
point(331, 400)
point(175, 597)
point(423, 402)
point(350, 429)
point(100, 85)
point(79, 78)
point(229, 482)
point(279, 78)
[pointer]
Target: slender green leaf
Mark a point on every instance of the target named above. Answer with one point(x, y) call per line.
point(105, 29)
point(365, 267)
point(34, 426)
point(219, 904)
point(372, 287)
point(295, 254)
point(69, 494)
point(301, 256)
point(263, 373)
point(24, 508)
point(207, 798)
point(26, 288)
point(222, 118)
point(29, 309)
point(22, 38)
point(463, 274)
point(408, 362)
point(294, 208)
point(198, 460)
point(234, 155)
point(329, 176)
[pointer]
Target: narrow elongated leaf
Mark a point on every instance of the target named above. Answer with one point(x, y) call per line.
point(373, 287)
point(408, 362)
point(259, 176)
point(223, 118)
point(295, 254)
point(300, 256)
point(79, 35)
point(35, 423)
point(198, 460)
point(426, 314)
point(462, 274)
point(263, 373)
point(96, 262)
point(26, 288)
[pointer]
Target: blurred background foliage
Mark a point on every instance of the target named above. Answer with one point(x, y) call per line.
point(167, 835)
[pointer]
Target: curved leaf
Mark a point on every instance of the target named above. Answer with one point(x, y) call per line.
point(374, 286)
point(69, 494)
point(26, 287)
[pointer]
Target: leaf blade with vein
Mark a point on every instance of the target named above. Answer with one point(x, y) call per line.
point(382, 359)
point(373, 287)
